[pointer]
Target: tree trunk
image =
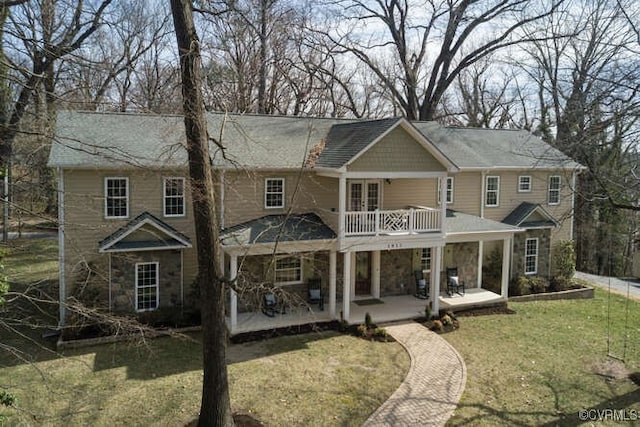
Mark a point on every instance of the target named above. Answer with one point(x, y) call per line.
point(215, 409)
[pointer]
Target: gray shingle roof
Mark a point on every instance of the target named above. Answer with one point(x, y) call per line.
point(345, 140)
point(494, 148)
point(168, 237)
point(458, 222)
point(520, 215)
point(118, 140)
point(281, 228)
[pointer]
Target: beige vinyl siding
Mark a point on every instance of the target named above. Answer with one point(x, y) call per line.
point(401, 193)
point(467, 188)
point(244, 194)
point(86, 226)
point(510, 198)
point(398, 151)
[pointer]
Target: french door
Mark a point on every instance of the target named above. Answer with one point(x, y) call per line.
point(364, 195)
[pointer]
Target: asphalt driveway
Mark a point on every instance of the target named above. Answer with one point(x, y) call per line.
point(618, 285)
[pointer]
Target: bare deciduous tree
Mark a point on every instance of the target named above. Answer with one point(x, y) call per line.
point(396, 41)
point(215, 407)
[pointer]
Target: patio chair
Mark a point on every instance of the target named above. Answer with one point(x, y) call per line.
point(422, 287)
point(454, 284)
point(314, 293)
point(271, 305)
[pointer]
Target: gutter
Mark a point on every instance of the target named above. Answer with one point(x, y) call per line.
point(62, 297)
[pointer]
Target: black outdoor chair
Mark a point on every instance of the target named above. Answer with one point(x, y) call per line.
point(271, 305)
point(314, 293)
point(422, 286)
point(454, 284)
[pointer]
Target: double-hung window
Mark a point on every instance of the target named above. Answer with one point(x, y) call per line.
point(524, 184)
point(288, 270)
point(531, 256)
point(147, 295)
point(116, 197)
point(554, 190)
point(492, 191)
point(274, 193)
point(173, 201)
point(425, 260)
point(449, 189)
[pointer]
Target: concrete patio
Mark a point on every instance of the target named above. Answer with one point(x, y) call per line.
point(387, 309)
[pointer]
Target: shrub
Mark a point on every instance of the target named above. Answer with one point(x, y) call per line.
point(363, 331)
point(564, 259)
point(525, 285)
point(437, 326)
point(560, 283)
point(380, 332)
point(446, 320)
point(492, 272)
point(367, 320)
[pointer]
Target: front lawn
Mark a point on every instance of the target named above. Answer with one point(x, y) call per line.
point(312, 379)
point(549, 361)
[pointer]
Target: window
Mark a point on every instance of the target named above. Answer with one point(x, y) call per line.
point(146, 286)
point(554, 190)
point(288, 270)
point(116, 197)
point(425, 260)
point(174, 197)
point(524, 184)
point(492, 192)
point(274, 193)
point(449, 189)
point(531, 256)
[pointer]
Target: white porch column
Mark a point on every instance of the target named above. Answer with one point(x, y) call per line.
point(435, 286)
point(332, 283)
point(480, 261)
point(346, 286)
point(233, 296)
point(375, 274)
point(342, 205)
point(443, 202)
point(506, 263)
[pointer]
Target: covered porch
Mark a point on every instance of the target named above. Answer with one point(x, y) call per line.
point(385, 309)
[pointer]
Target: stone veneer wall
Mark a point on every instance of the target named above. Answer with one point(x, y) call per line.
point(396, 273)
point(123, 278)
point(464, 256)
point(544, 257)
point(254, 275)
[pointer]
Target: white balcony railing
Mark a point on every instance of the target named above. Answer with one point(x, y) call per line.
point(399, 221)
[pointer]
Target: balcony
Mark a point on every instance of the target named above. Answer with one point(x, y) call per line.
point(392, 222)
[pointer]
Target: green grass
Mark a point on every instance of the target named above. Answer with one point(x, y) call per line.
point(31, 261)
point(549, 361)
point(541, 365)
point(312, 379)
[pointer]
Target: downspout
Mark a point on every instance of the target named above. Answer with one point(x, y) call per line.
point(573, 203)
point(62, 289)
point(482, 190)
point(221, 217)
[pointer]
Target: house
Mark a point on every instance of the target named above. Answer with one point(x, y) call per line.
point(360, 205)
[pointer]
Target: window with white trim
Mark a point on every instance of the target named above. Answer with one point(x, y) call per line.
point(449, 189)
point(524, 184)
point(274, 193)
point(288, 270)
point(531, 256)
point(116, 197)
point(147, 278)
point(173, 200)
point(554, 190)
point(492, 191)
point(425, 260)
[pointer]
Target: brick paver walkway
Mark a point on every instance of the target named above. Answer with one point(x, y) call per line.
point(431, 390)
